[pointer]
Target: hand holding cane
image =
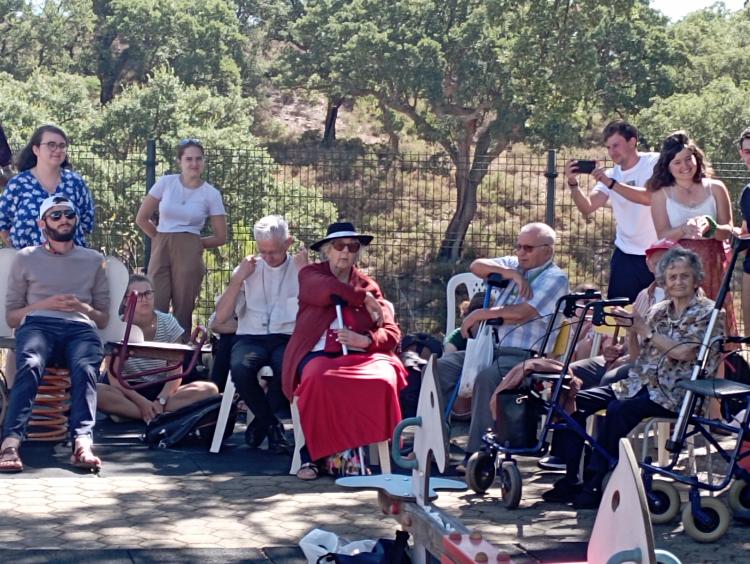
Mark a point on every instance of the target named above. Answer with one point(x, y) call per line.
point(339, 301)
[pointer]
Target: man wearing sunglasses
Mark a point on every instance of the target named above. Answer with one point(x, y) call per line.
point(263, 294)
point(57, 296)
point(536, 285)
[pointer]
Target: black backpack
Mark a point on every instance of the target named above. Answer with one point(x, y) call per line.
point(193, 423)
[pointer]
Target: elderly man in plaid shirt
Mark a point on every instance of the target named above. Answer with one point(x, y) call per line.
point(536, 285)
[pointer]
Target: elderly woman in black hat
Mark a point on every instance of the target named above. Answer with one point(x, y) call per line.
point(345, 400)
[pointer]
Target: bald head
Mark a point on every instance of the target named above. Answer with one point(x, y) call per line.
point(536, 242)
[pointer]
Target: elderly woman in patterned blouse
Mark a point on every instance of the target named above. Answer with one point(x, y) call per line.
point(44, 171)
point(669, 337)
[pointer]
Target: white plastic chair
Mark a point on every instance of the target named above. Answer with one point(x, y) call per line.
point(473, 285)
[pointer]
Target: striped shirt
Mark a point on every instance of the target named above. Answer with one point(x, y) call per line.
point(168, 330)
point(548, 284)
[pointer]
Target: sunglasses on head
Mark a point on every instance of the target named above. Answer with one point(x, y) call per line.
point(56, 215)
point(190, 141)
point(339, 245)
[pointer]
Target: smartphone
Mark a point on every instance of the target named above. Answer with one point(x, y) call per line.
point(585, 166)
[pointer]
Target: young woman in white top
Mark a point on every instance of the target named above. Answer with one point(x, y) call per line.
point(689, 206)
point(184, 202)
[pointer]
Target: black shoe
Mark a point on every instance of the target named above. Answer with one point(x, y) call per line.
point(587, 499)
point(255, 434)
point(564, 491)
point(277, 443)
point(552, 463)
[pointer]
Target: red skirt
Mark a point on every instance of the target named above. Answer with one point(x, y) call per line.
point(349, 401)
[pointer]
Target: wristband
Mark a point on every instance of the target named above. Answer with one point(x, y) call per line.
point(612, 184)
point(573, 184)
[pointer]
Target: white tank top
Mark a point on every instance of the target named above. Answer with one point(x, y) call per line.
point(679, 213)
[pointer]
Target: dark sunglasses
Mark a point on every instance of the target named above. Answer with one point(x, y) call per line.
point(56, 215)
point(339, 245)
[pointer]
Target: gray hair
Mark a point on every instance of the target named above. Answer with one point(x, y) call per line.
point(546, 234)
point(271, 227)
point(675, 255)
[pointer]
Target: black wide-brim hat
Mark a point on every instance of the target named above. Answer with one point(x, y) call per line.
point(339, 231)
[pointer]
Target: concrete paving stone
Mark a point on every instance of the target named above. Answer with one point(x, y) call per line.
point(75, 536)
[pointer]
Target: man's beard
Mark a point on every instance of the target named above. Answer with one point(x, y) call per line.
point(55, 235)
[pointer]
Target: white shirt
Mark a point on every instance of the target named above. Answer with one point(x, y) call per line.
point(635, 227)
point(183, 209)
point(268, 302)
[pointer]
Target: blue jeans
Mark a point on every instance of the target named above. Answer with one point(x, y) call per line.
point(42, 340)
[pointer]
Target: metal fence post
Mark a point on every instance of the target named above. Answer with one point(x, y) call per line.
point(551, 174)
point(150, 181)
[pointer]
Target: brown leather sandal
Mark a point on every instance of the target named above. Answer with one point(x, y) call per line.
point(10, 461)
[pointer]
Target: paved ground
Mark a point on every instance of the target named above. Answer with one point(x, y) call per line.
point(240, 506)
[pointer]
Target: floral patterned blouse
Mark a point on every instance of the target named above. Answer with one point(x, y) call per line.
point(659, 372)
point(20, 201)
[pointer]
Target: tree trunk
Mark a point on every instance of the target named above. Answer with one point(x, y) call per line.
point(329, 135)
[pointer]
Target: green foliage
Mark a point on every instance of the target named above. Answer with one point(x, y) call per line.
point(714, 116)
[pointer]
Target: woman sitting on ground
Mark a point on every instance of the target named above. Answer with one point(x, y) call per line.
point(150, 401)
point(668, 340)
point(344, 401)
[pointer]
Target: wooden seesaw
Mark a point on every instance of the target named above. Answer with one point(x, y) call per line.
point(622, 530)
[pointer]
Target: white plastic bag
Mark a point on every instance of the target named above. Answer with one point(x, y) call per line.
point(480, 351)
point(318, 543)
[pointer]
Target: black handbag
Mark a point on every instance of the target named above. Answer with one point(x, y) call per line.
point(193, 423)
point(516, 421)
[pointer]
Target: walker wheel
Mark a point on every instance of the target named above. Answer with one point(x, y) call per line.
point(714, 523)
point(663, 502)
point(739, 499)
point(510, 482)
point(480, 471)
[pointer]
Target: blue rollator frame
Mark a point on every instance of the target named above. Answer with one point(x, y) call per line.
point(706, 519)
point(483, 465)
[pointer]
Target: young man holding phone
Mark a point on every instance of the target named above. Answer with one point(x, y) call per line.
point(623, 185)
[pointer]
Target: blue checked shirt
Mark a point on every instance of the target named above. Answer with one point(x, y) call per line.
point(548, 284)
point(22, 197)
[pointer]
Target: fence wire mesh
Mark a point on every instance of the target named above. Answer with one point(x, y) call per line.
point(405, 201)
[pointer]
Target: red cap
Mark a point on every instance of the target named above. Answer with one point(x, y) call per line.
point(661, 245)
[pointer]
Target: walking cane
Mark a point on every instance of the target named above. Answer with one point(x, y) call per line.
point(339, 301)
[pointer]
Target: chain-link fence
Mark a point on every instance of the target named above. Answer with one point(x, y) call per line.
point(405, 201)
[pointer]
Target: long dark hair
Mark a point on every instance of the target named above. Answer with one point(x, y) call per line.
point(671, 146)
point(27, 159)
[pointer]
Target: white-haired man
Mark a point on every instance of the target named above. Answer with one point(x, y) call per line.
point(263, 294)
point(537, 284)
point(57, 296)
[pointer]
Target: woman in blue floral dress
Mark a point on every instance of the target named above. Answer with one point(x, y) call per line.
point(44, 171)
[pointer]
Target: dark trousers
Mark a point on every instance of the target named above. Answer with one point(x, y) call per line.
point(222, 352)
point(250, 353)
point(622, 417)
point(628, 275)
point(42, 340)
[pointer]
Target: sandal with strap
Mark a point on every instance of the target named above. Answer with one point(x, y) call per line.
point(82, 457)
point(308, 471)
point(10, 461)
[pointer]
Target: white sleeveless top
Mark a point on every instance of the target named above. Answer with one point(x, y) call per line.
point(679, 213)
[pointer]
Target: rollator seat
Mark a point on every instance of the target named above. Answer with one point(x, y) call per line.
point(715, 388)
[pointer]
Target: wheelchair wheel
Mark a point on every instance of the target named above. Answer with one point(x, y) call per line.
point(510, 483)
point(714, 525)
point(480, 471)
point(663, 502)
point(739, 499)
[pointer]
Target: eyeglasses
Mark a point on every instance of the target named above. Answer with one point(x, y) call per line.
point(56, 215)
point(53, 146)
point(530, 248)
point(339, 245)
point(147, 295)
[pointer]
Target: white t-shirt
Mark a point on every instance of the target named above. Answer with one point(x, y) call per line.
point(635, 227)
point(268, 302)
point(182, 209)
